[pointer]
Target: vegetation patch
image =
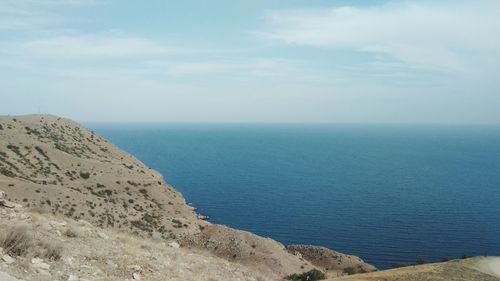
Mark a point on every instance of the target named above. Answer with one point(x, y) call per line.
point(311, 275)
point(84, 175)
point(176, 223)
point(349, 270)
point(7, 172)
point(16, 239)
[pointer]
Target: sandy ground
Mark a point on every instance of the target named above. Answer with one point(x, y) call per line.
point(490, 265)
point(472, 269)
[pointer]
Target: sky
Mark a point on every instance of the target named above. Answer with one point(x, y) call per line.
point(267, 61)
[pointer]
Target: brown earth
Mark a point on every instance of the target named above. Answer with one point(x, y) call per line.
point(330, 261)
point(456, 270)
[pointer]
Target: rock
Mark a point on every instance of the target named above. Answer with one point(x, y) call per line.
point(6, 277)
point(43, 272)
point(298, 254)
point(39, 264)
point(36, 260)
point(6, 204)
point(69, 261)
point(73, 278)
point(109, 262)
point(57, 223)
point(202, 217)
point(136, 276)
point(102, 235)
point(84, 223)
point(135, 267)
point(8, 259)
point(174, 244)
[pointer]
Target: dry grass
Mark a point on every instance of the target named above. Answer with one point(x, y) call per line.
point(50, 249)
point(16, 239)
point(72, 232)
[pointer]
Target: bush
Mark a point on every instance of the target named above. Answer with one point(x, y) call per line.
point(349, 270)
point(51, 250)
point(84, 175)
point(16, 239)
point(311, 275)
point(72, 232)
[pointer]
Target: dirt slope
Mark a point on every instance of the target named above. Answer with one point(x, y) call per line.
point(329, 260)
point(59, 248)
point(456, 270)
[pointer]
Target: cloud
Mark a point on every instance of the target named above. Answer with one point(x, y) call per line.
point(108, 45)
point(434, 35)
point(17, 15)
point(253, 67)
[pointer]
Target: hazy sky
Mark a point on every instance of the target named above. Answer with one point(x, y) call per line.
point(252, 60)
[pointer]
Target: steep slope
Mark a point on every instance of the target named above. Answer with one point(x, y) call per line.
point(59, 248)
point(52, 163)
point(263, 254)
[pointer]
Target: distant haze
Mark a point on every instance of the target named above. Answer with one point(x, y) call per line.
point(252, 61)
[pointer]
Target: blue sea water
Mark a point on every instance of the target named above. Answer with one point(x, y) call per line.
point(387, 193)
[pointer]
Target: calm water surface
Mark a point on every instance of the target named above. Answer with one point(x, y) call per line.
point(389, 194)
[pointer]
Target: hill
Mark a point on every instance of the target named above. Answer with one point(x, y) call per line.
point(54, 169)
point(472, 269)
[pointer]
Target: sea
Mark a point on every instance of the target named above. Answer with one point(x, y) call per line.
point(390, 194)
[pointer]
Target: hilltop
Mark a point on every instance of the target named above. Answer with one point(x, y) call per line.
point(57, 174)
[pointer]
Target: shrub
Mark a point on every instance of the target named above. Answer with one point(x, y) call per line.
point(51, 250)
point(349, 270)
point(16, 239)
point(71, 232)
point(311, 275)
point(6, 172)
point(84, 175)
point(40, 150)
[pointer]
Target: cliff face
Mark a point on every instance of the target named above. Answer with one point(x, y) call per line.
point(52, 165)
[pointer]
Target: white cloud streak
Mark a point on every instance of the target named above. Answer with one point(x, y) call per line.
point(94, 46)
point(22, 15)
point(253, 67)
point(427, 34)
